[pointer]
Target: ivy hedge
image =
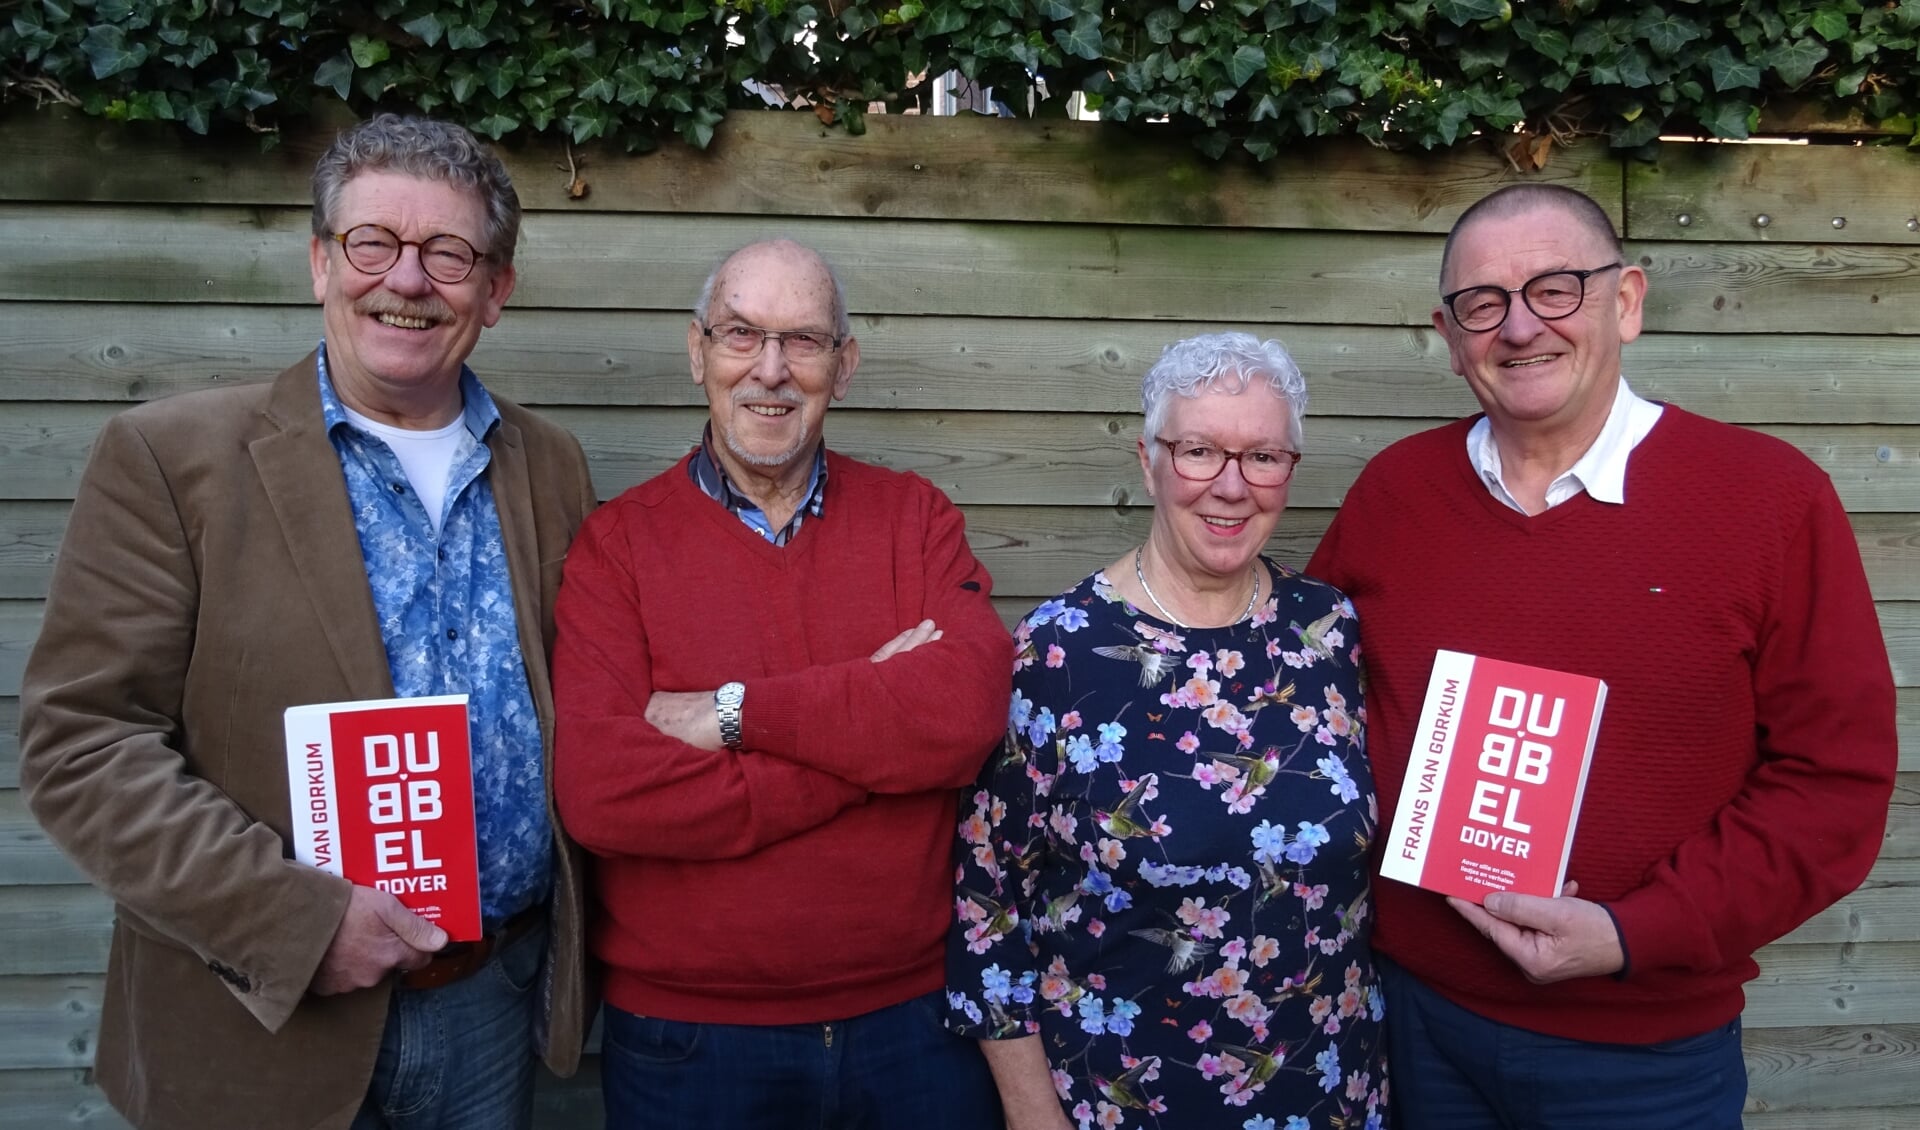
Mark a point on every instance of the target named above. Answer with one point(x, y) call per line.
point(1250, 75)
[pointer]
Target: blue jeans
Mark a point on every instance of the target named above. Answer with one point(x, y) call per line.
point(460, 1057)
point(1456, 1070)
point(888, 1069)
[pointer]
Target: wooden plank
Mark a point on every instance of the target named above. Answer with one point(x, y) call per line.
point(1835, 985)
point(1802, 190)
point(133, 352)
point(1900, 623)
point(1904, 1117)
point(48, 1022)
point(9, 742)
point(54, 929)
point(1906, 710)
point(1807, 1070)
point(27, 857)
point(1001, 458)
point(903, 167)
point(39, 1098)
point(19, 624)
point(1781, 288)
point(30, 535)
point(248, 255)
point(1030, 547)
point(1902, 839)
point(1890, 550)
point(603, 261)
point(1886, 908)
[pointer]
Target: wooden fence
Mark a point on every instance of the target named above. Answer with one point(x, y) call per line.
point(1010, 283)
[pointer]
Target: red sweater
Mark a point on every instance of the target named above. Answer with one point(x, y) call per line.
point(1746, 755)
point(807, 878)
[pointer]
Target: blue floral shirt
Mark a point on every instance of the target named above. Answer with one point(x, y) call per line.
point(445, 604)
point(1164, 873)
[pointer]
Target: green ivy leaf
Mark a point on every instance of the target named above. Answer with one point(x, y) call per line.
point(1831, 24)
point(367, 52)
point(1728, 118)
point(108, 52)
point(336, 72)
point(463, 37)
point(1055, 10)
point(1463, 12)
point(427, 28)
point(1730, 73)
point(1082, 40)
point(1161, 23)
point(1666, 31)
point(1246, 62)
point(496, 125)
point(945, 19)
point(1794, 62)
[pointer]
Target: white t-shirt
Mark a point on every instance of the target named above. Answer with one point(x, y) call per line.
point(426, 457)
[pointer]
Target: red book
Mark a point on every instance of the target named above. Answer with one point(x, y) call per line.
point(1494, 781)
point(383, 796)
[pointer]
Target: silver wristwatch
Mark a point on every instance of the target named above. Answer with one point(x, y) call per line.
point(726, 704)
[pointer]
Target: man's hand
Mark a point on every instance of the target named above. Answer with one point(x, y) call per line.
point(1549, 939)
point(377, 935)
point(923, 632)
point(686, 716)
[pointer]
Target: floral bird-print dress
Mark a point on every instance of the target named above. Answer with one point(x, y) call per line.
point(1163, 873)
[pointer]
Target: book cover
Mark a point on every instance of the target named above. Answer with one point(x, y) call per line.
point(1495, 778)
point(382, 795)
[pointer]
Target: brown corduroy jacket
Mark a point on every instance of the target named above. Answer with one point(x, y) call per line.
point(210, 578)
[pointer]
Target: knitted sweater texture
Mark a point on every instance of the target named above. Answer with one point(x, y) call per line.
point(1746, 754)
point(808, 877)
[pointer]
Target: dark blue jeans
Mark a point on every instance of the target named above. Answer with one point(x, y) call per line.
point(460, 1057)
point(891, 1068)
point(1456, 1070)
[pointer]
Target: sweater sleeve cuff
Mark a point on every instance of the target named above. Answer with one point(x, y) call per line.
point(1626, 955)
point(1660, 929)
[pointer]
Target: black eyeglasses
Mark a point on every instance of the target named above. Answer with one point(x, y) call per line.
point(374, 250)
point(1552, 296)
point(1202, 462)
point(747, 341)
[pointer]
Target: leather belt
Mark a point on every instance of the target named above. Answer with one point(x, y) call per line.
point(457, 961)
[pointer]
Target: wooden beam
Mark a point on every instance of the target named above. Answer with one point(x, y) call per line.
point(125, 353)
point(19, 626)
point(35, 1099)
point(1001, 458)
point(1807, 193)
point(247, 255)
point(9, 742)
point(1882, 910)
point(903, 167)
point(54, 929)
point(48, 1022)
point(1809, 1070)
point(1835, 985)
point(27, 857)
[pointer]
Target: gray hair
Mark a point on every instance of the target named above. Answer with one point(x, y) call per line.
point(424, 148)
point(842, 324)
point(1227, 362)
point(1504, 203)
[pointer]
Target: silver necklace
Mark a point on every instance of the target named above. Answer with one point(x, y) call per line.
point(1140, 574)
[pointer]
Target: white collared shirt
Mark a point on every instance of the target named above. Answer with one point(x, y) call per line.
point(1601, 472)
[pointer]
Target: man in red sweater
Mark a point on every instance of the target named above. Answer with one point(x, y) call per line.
point(774, 668)
point(1746, 754)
